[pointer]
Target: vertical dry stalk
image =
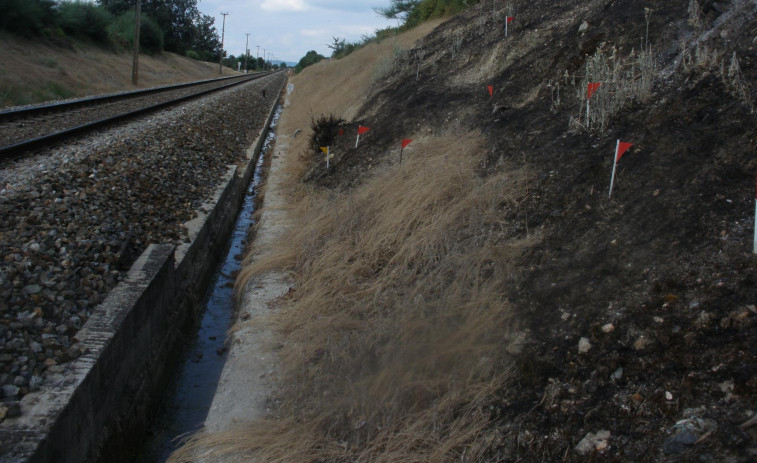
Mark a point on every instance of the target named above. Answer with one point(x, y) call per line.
point(622, 81)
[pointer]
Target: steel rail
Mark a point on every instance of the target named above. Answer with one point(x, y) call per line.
point(10, 150)
point(68, 105)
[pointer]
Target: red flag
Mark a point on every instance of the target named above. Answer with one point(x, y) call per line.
point(591, 88)
point(341, 132)
point(622, 148)
point(361, 130)
point(405, 142)
point(491, 90)
point(509, 19)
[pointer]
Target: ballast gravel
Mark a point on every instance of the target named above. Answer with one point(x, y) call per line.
point(75, 217)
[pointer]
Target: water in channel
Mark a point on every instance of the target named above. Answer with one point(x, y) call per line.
point(190, 393)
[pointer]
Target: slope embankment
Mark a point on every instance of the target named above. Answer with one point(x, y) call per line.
point(483, 297)
point(35, 71)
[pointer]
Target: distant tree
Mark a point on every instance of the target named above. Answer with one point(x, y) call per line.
point(398, 9)
point(28, 17)
point(121, 33)
point(337, 46)
point(206, 41)
point(184, 28)
point(84, 19)
point(309, 59)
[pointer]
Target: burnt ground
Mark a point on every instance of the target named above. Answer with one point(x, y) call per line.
point(661, 279)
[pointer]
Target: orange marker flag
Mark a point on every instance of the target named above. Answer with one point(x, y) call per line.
point(491, 91)
point(405, 142)
point(360, 130)
point(620, 148)
point(591, 88)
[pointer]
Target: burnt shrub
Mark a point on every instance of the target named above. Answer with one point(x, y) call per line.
point(325, 130)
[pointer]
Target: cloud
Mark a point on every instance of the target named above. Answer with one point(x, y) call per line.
point(313, 32)
point(284, 5)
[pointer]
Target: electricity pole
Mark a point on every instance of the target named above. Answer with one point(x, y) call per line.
point(246, 52)
point(220, 59)
point(257, 55)
point(135, 63)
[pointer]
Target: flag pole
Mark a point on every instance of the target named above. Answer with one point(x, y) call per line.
point(588, 121)
point(357, 140)
point(505, 26)
point(401, 149)
point(328, 155)
point(614, 165)
point(754, 248)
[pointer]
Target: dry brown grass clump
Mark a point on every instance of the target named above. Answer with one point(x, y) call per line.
point(399, 328)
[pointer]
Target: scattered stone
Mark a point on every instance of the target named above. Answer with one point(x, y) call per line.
point(608, 328)
point(9, 390)
point(642, 342)
point(679, 442)
point(584, 346)
point(617, 374)
point(14, 408)
point(593, 442)
point(32, 289)
point(583, 27)
point(688, 431)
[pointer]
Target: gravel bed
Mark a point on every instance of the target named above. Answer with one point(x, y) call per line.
point(18, 130)
point(72, 220)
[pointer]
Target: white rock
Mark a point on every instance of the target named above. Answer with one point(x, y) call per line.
point(584, 346)
point(592, 442)
point(608, 328)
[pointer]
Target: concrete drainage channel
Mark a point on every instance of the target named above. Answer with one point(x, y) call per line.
point(99, 410)
point(191, 392)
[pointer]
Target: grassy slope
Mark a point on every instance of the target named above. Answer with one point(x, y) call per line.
point(493, 248)
point(32, 71)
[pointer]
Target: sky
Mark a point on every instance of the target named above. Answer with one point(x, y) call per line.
point(291, 28)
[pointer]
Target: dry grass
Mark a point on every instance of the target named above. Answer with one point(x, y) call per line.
point(623, 80)
point(399, 329)
point(29, 70)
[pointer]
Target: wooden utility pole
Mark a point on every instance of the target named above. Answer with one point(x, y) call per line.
point(135, 64)
point(246, 51)
point(220, 58)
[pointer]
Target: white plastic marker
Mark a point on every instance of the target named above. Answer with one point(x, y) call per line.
point(328, 154)
point(620, 148)
point(405, 142)
point(590, 89)
point(360, 130)
point(508, 20)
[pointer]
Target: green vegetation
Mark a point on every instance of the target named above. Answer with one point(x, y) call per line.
point(172, 25)
point(309, 59)
point(121, 33)
point(84, 20)
point(410, 12)
point(414, 12)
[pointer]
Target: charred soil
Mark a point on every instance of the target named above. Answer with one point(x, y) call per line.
point(660, 280)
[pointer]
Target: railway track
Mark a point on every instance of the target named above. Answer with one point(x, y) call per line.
point(27, 129)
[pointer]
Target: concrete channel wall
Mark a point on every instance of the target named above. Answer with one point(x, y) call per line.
point(99, 409)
